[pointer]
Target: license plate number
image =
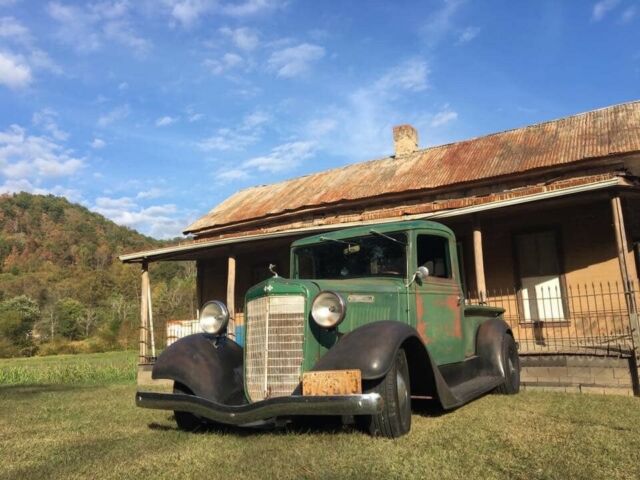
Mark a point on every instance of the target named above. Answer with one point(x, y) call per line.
point(332, 382)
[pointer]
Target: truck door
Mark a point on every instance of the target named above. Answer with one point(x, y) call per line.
point(438, 298)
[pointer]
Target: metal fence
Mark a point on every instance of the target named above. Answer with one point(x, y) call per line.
point(596, 318)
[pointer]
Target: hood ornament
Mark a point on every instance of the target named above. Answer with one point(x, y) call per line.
point(272, 269)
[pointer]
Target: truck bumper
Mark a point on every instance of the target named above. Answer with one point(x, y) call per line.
point(258, 412)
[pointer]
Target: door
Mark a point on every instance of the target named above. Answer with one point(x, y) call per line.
point(438, 300)
point(540, 275)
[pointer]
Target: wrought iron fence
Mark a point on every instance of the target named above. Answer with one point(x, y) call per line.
point(596, 318)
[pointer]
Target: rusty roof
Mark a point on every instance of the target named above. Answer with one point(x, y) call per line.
point(594, 134)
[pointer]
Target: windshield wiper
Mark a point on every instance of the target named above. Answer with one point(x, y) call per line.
point(342, 242)
point(391, 239)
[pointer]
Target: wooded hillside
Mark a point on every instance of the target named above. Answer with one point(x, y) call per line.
point(62, 287)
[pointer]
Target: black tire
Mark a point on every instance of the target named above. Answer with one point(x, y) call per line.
point(394, 388)
point(186, 421)
point(511, 367)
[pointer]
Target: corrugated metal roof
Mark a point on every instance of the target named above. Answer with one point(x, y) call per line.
point(599, 133)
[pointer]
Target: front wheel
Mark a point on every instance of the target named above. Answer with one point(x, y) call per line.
point(394, 388)
point(186, 421)
point(510, 366)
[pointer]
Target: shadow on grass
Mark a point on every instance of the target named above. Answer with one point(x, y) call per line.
point(302, 425)
point(29, 390)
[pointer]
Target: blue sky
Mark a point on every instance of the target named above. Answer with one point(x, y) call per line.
point(151, 112)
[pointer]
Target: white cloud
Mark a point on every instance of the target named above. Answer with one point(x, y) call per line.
point(22, 185)
point(468, 34)
point(46, 119)
point(294, 61)
point(443, 117)
point(122, 86)
point(118, 113)
point(231, 175)
point(602, 8)
point(359, 127)
point(188, 12)
point(247, 133)
point(165, 121)
point(409, 75)
point(194, 117)
point(11, 29)
point(98, 143)
point(228, 62)
point(160, 221)
point(30, 157)
point(90, 27)
point(629, 14)
point(14, 71)
point(250, 7)
point(244, 38)
point(151, 193)
point(440, 23)
point(282, 158)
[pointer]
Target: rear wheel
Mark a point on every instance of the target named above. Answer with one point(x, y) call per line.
point(511, 367)
point(186, 421)
point(394, 388)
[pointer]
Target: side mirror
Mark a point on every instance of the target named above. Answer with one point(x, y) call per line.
point(422, 273)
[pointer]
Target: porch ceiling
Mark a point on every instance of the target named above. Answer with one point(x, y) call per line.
point(213, 247)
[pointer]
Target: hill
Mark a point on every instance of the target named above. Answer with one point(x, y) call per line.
point(60, 280)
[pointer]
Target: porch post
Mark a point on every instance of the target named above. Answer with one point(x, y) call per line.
point(623, 248)
point(231, 295)
point(478, 257)
point(144, 313)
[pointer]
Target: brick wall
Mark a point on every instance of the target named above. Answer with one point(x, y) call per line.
point(580, 374)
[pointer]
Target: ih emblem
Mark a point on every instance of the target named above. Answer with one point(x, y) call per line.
point(268, 288)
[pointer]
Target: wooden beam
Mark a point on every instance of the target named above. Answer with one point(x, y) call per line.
point(144, 314)
point(623, 249)
point(478, 257)
point(231, 294)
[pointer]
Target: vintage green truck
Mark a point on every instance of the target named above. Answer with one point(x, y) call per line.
point(371, 317)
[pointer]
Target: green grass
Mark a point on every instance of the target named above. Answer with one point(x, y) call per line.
point(95, 431)
point(91, 368)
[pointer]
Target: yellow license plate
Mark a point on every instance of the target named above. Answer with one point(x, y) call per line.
point(332, 382)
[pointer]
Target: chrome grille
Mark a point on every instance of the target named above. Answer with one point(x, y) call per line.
point(275, 334)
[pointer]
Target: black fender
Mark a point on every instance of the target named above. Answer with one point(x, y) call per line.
point(373, 347)
point(489, 345)
point(210, 367)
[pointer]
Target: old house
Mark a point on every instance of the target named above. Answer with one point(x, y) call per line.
point(546, 218)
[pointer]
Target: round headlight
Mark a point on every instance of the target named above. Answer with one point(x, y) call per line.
point(214, 317)
point(328, 309)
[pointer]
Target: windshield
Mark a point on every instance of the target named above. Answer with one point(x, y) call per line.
point(371, 256)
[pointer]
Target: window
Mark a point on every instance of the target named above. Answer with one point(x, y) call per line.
point(538, 263)
point(433, 253)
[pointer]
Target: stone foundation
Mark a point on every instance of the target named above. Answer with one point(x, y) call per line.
point(580, 374)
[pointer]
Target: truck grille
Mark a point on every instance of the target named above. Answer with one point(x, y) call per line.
point(273, 350)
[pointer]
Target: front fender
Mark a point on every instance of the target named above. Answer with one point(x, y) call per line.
point(210, 368)
point(489, 345)
point(372, 349)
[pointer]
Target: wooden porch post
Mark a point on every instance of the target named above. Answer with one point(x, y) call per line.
point(478, 257)
point(623, 248)
point(144, 313)
point(231, 295)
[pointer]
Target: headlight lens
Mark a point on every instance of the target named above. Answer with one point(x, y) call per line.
point(328, 309)
point(214, 317)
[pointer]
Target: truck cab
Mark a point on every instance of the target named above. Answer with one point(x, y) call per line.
point(370, 317)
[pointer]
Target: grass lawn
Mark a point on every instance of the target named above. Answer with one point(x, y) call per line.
point(82, 428)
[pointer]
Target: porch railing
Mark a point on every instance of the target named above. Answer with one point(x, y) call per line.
point(594, 318)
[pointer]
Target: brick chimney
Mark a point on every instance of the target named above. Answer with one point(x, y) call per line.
point(405, 140)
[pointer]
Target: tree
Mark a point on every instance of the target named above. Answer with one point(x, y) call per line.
point(70, 315)
point(17, 318)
